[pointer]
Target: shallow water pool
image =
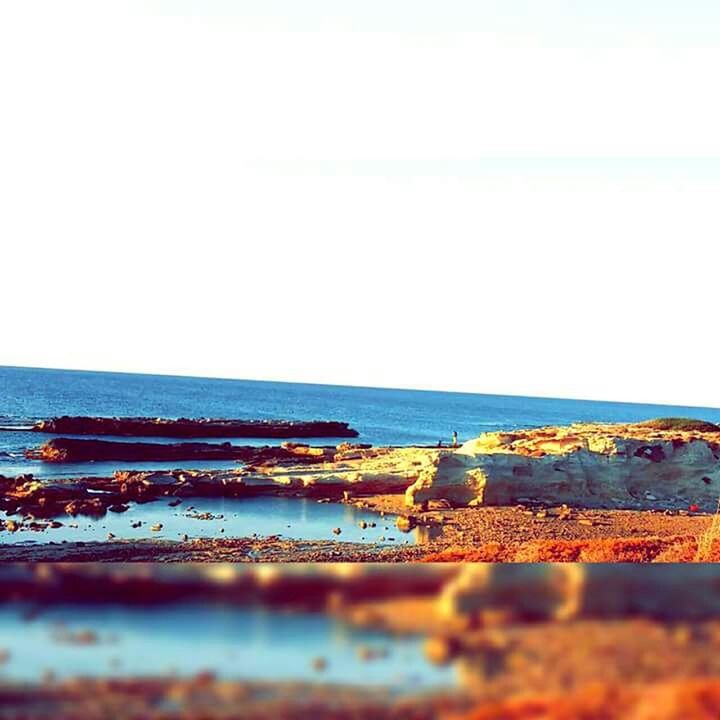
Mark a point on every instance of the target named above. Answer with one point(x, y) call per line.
point(292, 518)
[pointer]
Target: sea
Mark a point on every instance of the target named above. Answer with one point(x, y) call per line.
point(382, 416)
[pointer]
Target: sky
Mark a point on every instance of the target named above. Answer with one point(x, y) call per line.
point(516, 197)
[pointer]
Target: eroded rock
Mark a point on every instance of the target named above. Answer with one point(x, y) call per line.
point(591, 465)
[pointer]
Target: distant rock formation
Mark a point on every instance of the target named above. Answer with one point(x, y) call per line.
point(654, 464)
point(59, 450)
point(193, 428)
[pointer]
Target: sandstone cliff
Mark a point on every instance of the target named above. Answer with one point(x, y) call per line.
point(656, 464)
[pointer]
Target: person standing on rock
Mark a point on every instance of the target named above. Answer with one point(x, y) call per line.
point(454, 439)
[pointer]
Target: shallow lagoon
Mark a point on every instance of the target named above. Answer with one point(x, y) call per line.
point(292, 518)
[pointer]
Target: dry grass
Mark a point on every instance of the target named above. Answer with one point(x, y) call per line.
point(688, 700)
point(637, 550)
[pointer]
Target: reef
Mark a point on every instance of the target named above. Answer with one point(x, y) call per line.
point(59, 450)
point(193, 427)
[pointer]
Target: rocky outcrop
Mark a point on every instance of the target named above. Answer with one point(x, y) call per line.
point(193, 428)
point(296, 470)
point(61, 450)
point(566, 591)
point(589, 465)
point(355, 472)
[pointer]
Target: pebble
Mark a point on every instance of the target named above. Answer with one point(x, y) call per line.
point(405, 524)
point(337, 531)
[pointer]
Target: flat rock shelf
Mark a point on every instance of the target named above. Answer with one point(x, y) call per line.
point(193, 427)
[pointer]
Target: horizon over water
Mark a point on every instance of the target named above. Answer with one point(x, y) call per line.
point(382, 416)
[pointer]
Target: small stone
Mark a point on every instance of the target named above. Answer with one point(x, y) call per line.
point(337, 531)
point(405, 523)
point(441, 650)
point(368, 654)
point(157, 527)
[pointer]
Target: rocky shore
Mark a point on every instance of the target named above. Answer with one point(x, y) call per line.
point(669, 464)
point(193, 427)
point(206, 697)
point(292, 469)
point(592, 492)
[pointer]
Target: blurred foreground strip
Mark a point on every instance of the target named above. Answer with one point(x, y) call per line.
point(193, 699)
point(455, 642)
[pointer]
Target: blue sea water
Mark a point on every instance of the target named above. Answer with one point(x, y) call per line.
point(382, 416)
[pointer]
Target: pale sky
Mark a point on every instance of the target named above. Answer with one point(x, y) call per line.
point(509, 196)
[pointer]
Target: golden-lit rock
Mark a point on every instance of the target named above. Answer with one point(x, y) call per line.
point(593, 465)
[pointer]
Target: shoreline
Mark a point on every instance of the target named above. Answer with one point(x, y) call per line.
point(594, 492)
point(486, 535)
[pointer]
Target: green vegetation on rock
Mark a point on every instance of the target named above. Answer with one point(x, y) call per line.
point(681, 424)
